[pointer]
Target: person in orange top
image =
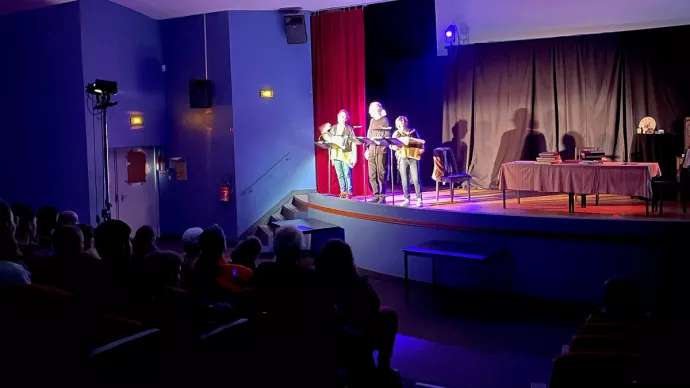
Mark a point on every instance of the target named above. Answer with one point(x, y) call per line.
point(211, 272)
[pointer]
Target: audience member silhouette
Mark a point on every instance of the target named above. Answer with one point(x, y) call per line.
point(89, 241)
point(247, 252)
point(622, 301)
point(211, 272)
point(143, 243)
point(67, 217)
point(190, 241)
point(26, 228)
point(357, 304)
point(11, 272)
point(46, 222)
point(9, 249)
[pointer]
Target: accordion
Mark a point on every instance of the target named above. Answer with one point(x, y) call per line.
point(413, 148)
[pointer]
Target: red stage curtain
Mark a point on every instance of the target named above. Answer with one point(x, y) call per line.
point(337, 46)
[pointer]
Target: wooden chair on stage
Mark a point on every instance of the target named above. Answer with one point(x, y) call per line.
point(446, 171)
point(578, 151)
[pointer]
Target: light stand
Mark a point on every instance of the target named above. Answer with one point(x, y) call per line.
point(103, 92)
point(390, 151)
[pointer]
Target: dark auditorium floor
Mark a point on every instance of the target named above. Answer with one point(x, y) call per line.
point(458, 339)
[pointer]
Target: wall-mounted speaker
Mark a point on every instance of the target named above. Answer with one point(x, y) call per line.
point(200, 93)
point(295, 29)
point(686, 134)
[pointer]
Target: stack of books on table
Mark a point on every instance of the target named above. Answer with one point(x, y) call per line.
point(549, 158)
point(592, 156)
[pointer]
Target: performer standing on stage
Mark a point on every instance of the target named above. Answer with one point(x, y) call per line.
point(408, 159)
point(344, 155)
point(379, 126)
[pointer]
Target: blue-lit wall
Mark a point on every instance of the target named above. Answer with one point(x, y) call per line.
point(119, 44)
point(203, 137)
point(96, 39)
point(42, 133)
point(273, 137)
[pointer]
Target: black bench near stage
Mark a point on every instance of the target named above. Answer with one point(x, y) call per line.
point(491, 261)
point(317, 232)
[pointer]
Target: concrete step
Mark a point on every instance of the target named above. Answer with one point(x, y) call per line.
point(290, 212)
point(265, 234)
point(300, 202)
point(276, 217)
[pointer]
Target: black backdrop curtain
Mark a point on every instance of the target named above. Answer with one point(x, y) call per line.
point(510, 101)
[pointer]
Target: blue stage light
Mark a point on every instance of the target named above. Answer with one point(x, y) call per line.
point(451, 34)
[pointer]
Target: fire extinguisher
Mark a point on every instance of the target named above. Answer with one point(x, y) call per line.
point(225, 190)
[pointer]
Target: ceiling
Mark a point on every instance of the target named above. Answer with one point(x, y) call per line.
point(167, 9)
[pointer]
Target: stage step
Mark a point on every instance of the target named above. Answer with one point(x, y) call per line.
point(276, 217)
point(293, 209)
point(300, 202)
point(291, 212)
point(265, 234)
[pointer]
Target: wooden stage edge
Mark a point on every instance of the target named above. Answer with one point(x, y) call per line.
point(536, 209)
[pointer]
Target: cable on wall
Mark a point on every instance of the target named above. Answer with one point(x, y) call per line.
point(205, 50)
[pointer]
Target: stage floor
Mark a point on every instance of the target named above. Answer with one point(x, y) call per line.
point(537, 204)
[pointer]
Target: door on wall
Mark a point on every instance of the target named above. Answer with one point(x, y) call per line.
point(133, 187)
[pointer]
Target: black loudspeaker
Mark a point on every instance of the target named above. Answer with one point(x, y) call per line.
point(200, 93)
point(295, 29)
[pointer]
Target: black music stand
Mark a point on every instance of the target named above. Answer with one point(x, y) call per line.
point(391, 141)
point(327, 146)
point(364, 142)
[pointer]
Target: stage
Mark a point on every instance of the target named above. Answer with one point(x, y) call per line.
point(534, 204)
point(553, 254)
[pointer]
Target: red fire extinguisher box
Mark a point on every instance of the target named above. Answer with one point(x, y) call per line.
point(225, 190)
point(225, 193)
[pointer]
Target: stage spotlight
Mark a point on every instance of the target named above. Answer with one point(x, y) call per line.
point(451, 34)
point(102, 87)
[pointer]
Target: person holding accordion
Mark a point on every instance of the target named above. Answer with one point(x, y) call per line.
point(408, 157)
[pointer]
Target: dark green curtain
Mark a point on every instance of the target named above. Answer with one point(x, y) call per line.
point(509, 101)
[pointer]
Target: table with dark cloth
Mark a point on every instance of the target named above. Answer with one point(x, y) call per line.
point(659, 149)
point(618, 178)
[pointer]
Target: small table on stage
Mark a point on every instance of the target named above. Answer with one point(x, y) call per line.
point(618, 178)
point(320, 231)
point(436, 249)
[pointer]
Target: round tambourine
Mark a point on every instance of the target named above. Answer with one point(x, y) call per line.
point(647, 125)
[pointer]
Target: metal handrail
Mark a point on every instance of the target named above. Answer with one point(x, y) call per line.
point(250, 189)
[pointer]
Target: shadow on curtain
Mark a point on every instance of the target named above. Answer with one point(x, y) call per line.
point(509, 101)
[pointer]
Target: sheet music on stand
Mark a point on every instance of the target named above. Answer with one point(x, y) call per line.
point(382, 141)
point(394, 141)
point(336, 140)
point(363, 140)
point(323, 145)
